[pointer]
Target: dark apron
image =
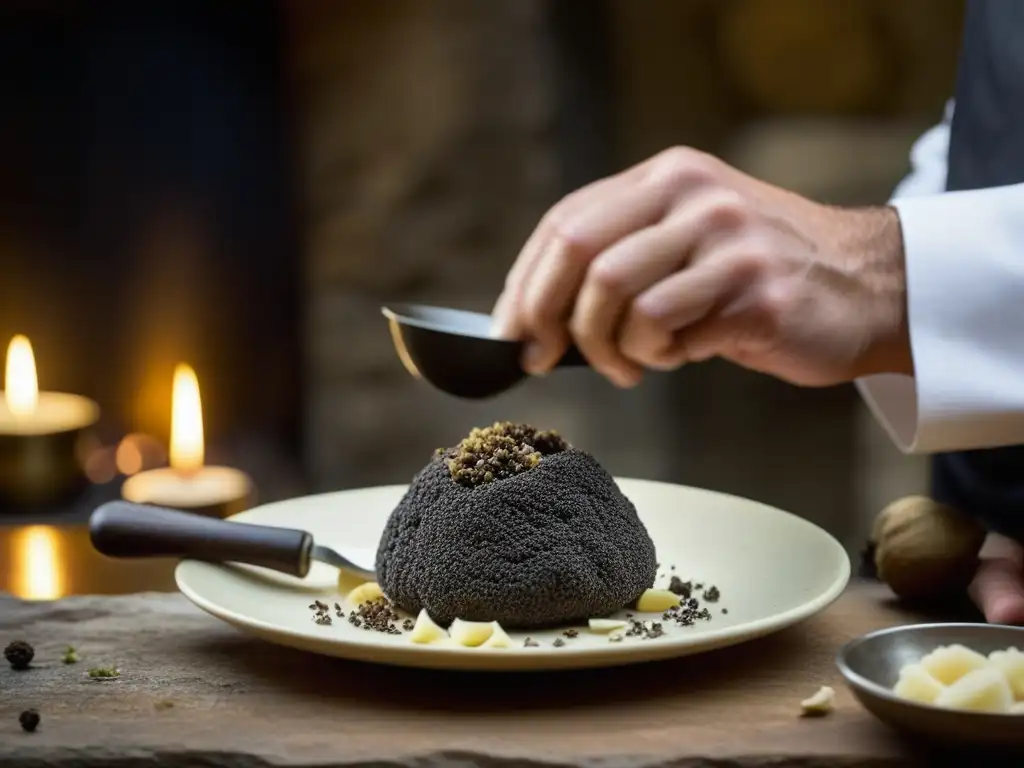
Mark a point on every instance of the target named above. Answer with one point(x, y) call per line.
point(987, 150)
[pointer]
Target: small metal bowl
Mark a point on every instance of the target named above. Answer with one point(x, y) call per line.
point(871, 665)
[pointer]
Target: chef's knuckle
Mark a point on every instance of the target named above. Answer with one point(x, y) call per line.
point(566, 240)
point(725, 211)
point(749, 263)
point(607, 276)
point(683, 167)
point(771, 306)
point(556, 220)
point(585, 338)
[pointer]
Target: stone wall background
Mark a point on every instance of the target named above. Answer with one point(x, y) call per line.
point(433, 140)
point(430, 154)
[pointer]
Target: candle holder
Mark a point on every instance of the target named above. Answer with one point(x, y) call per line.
point(41, 456)
point(212, 491)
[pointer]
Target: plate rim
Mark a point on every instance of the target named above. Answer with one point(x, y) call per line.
point(545, 658)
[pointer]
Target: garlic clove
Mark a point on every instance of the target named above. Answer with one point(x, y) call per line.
point(821, 703)
point(499, 637)
point(426, 630)
point(470, 633)
point(657, 601)
point(348, 581)
point(604, 626)
point(365, 593)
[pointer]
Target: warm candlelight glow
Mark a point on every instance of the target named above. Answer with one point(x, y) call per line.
point(186, 452)
point(138, 452)
point(38, 571)
point(128, 458)
point(21, 388)
point(44, 435)
point(100, 465)
point(187, 483)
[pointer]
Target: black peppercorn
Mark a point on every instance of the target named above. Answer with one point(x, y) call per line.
point(19, 654)
point(29, 720)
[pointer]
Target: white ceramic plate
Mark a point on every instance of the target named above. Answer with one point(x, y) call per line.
point(773, 569)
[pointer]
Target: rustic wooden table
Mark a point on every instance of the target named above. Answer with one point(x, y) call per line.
point(194, 691)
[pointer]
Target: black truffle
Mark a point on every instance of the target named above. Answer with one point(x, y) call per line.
point(19, 654)
point(554, 544)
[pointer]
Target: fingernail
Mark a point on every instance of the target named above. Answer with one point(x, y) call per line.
point(499, 322)
point(535, 359)
point(499, 327)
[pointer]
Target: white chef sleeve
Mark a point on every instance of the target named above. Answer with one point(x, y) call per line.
point(928, 160)
point(965, 295)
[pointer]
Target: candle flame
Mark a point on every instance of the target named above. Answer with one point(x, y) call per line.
point(21, 388)
point(39, 570)
point(187, 450)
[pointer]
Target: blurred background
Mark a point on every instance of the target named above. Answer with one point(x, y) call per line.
point(240, 185)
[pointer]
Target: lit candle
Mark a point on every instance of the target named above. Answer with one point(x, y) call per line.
point(40, 434)
point(188, 483)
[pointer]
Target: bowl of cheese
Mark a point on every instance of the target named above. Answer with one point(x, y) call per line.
point(952, 682)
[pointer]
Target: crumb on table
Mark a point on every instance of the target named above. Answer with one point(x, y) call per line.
point(820, 704)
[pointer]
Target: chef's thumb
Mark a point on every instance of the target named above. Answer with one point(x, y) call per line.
point(998, 590)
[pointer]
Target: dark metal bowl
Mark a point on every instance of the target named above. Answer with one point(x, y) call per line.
point(454, 350)
point(871, 665)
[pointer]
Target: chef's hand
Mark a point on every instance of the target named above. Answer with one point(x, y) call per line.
point(998, 588)
point(683, 258)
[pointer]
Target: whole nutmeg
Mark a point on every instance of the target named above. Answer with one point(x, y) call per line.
point(925, 550)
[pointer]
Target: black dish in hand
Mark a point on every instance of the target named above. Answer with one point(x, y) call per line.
point(454, 351)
